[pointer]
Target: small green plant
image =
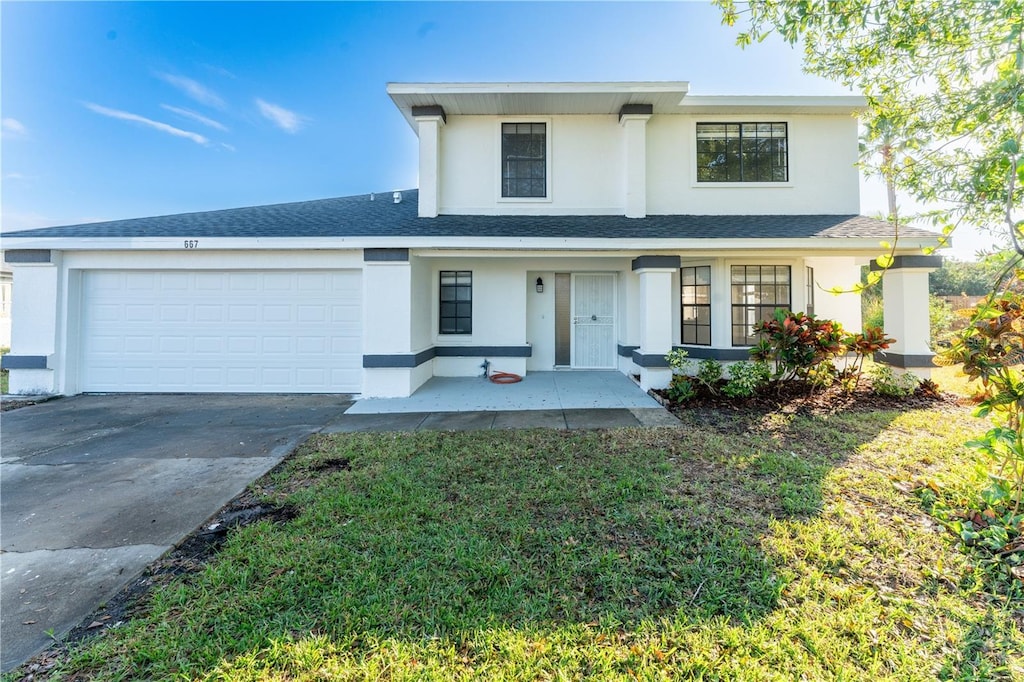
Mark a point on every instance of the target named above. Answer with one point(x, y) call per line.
point(678, 360)
point(864, 345)
point(746, 379)
point(709, 373)
point(885, 381)
point(681, 388)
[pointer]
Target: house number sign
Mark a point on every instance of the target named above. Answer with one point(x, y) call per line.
point(191, 243)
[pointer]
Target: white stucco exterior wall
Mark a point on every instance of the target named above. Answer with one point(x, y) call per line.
point(591, 171)
point(34, 308)
point(586, 166)
point(822, 174)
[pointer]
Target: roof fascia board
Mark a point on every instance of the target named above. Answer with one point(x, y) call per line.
point(860, 246)
point(610, 87)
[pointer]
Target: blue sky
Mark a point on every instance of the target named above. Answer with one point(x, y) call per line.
point(120, 110)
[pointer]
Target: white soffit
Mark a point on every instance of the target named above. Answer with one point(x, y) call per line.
point(516, 99)
point(786, 104)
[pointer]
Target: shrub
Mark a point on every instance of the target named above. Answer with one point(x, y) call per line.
point(709, 373)
point(681, 388)
point(678, 360)
point(864, 345)
point(746, 379)
point(796, 343)
point(885, 381)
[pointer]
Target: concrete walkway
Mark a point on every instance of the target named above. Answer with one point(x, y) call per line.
point(562, 390)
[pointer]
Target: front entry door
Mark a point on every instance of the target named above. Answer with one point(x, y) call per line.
point(593, 321)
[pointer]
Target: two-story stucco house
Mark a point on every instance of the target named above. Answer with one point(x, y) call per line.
point(556, 225)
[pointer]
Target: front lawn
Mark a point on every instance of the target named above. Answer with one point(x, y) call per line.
point(773, 546)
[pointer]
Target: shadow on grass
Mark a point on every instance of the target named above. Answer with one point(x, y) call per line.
point(438, 537)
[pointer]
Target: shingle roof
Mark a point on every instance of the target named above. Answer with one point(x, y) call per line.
point(358, 216)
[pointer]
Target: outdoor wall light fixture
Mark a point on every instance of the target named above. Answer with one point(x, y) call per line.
point(540, 286)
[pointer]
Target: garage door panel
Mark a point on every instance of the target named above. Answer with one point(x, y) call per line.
point(230, 331)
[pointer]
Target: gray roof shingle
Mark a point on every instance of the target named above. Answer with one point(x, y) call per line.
point(358, 216)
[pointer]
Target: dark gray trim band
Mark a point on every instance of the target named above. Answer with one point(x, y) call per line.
point(627, 351)
point(398, 360)
point(627, 109)
point(649, 360)
point(705, 353)
point(906, 262)
point(430, 110)
point(27, 256)
point(473, 351)
point(385, 255)
point(23, 362)
point(408, 360)
point(694, 353)
point(905, 361)
point(655, 262)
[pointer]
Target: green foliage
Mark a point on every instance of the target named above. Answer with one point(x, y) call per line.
point(709, 373)
point(864, 345)
point(797, 343)
point(746, 379)
point(945, 88)
point(960, 278)
point(886, 381)
point(681, 388)
point(940, 320)
point(986, 527)
point(678, 360)
point(991, 350)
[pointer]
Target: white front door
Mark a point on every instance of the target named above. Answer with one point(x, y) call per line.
point(593, 321)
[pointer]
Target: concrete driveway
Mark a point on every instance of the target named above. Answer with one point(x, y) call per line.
point(94, 488)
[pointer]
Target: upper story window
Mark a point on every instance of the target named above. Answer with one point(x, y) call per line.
point(524, 161)
point(742, 152)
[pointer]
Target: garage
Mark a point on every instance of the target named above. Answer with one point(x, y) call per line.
point(205, 331)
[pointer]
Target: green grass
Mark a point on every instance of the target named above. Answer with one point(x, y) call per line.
point(786, 547)
point(4, 377)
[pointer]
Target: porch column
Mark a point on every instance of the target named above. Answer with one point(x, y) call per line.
point(905, 298)
point(429, 120)
point(389, 363)
point(34, 307)
point(656, 300)
point(633, 118)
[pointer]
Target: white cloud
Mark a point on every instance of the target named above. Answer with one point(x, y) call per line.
point(15, 176)
point(188, 113)
point(286, 120)
point(156, 125)
point(193, 89)
point(13, 127)
point(229, 147)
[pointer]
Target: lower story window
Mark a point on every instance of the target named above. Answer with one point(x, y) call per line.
point(695, 292)
point(757, 291)
point(456, 302)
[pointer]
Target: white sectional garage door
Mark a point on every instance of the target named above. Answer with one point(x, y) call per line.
point(221, 331)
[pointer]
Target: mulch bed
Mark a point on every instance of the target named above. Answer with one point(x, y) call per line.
point(795, 397)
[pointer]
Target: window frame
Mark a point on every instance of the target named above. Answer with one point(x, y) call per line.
point(809, 293)
point(458, 330)
point(697, 182)
point(695, 325)
point(760, 308)
point(499, 173)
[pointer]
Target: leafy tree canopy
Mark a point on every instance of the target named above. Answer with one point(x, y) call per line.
point(957, 278)
point(944, 81)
